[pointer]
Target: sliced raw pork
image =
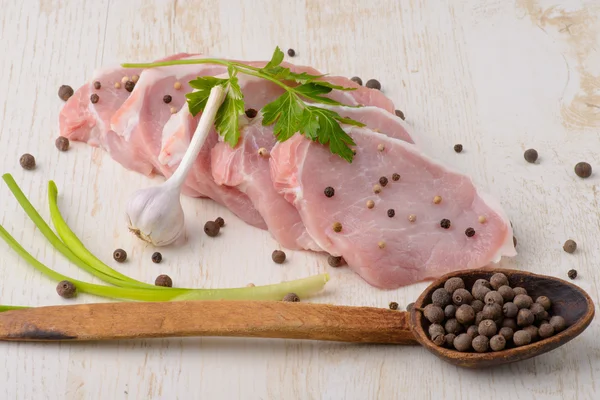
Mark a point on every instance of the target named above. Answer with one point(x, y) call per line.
point(381, 243)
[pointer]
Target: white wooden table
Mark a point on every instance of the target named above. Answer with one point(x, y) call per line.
point(497, 76)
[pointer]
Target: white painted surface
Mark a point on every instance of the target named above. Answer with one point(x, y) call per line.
point(497, 76)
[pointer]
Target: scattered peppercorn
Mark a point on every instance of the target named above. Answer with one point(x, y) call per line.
point(135, 78)
point(97, 85)
point(412, 218)
point(291, 52)
point(117, 85)
point(440, 297)
point(177, 85)
point(393, 305)
point(129, 85)
point(27, 161)
point(437, 199)
point(373, 84)
point(507, 293)
point(380, 147)
point(337, 227)
point(395, 177)
point(329, 191)
point(62, 143)
point(477, 305)
point(211, 228)
point(167, 98)
point(120, 255)
point(220, 221)
point(66, 289)
point(251, 113)
point(335, 261)
point(480, 344)
point(482, 219)
point(400, 114)
point(522, 301)
point(94, 98)
point(521, 338)
point(381, 244)
point(370, 204)
point(470, 232)
point(377, 189)
point(434, 314)
point(462, 342)
point(356, 80)
point(494, 297)
point(497, 342)
point(156, 257)
point(454, 283)
point(525, 317)
point(163, 280)
point(450, 310)
point(531, 155)
point(383, 181)
point(510, 310)
point(278, 256)
point(558, 323)
point(445, 223)
point(291, 297)
point(572, 273)
point(545, 302)
point(465, 314)
point(65, 92)
point(570, 246)
point(458, 148)
point(391, 213)
point(583, 170)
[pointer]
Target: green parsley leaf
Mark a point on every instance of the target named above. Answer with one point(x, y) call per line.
point(333, 86)
point(322, 125)
point(275, 70)
point(197, 99)
point(276, 59)
point(227, 119)
point(286, 112)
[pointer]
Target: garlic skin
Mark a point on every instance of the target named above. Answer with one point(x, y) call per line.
point(155, 214)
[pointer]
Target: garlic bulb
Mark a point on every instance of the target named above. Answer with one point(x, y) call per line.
point(155, 214)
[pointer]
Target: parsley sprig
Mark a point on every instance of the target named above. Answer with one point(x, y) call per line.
point(295, 111)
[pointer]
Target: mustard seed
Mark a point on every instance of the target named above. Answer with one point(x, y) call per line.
point(522, 301)
point(278, 257)
point(120, 255)
point(329, 191)
point(545, 330)
point(117, 85)
point(211, 228)
point(570, 246)
point(94, 98)
point(497, 343)
point(510, 323)
point(519, 290)
point(479, 292)
point(461, 296)
point(572, 273)
point(66, 289)
point(156, 257)
point(124, 79)
point(377, 189)
point(291, 297)
point(477, 305)
point(531, 155)
point(412, 218)
point(357, 80)
point(434, 314)
point(373, 84)
point(441, 297)
point(177, 85)
point(494, 297)
point(492, 311)
point(480, 344)
point(163, 280)
point(558, 323)
point(393, 305)
point(135, 78)
point(487, 327)
point(507, 293)
point(545, 302)
point(65, 92)
point(220, 221)
point(395, 177)
point(482, 219)
point(510, 310)
point(525, 317)
point(473, 331)
point(334, 261)
point(62, 143)
point(506, 333)
point(533, 332)
point(521, 338)
point(400, 114)
point(454, 283)
point(583, 170)
point(458, 148)
point(465, 314)
point(450, 311)
point(453, 326)
point(27, 161)
point(497, 280)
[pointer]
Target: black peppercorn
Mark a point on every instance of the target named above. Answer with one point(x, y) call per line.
point(251, 113)
point(487, 327)
point(156, 257)
point(507, 293)
point(440, 297)
point(335, 261)
point(129, 85)
point(383, 181)
point(434, 314)
point(479, 292)
point(558, 323)
point(470, 232)
point(519, 290)
point(465, 314)
point(65, 92)
point(291, 297)
point(445, 223)
point(278, 256)
point(462, 342)
point(167, 98)
point(337, 227)
point(510, 323)
point(546, 330)
point(522, 301)
point(510, 310)
point(492, 311)
point(494, 297)
point(97, 85)
point(211, 228)
point(400, 114)
point(570, 246)
point(497, 343)
point(391, 213)
point(329, 191)
point(453, 326)
point(62, 143)
point(461, 296)
point(506, 332)
point(477, 305)
point(356, 80)
point(94, 98)
point(458, 148)
point(525, 317)
point(544, 301)
point(521, 338)
point(454, 283)
point(373, 84)
point(395, 177)
point(66, 289)
point(27, 161)
point(220, 221)
point(163, 280)
point(291, 52)
point(572, 273)
point(583, 170)
point(473, 331)
point(120, 255)
point(480, 344)
point(531, 155)
point(450, 311)
point(497, 280)
point(393, 305)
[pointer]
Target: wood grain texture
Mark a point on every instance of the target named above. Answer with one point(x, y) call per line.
point(497, 76)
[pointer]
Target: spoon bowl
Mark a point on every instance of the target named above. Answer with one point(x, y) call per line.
point(569, 301)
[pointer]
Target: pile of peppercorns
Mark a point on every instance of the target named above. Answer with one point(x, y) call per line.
point(491, 316)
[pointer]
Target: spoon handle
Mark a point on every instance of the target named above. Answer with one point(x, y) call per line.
point(264, 319)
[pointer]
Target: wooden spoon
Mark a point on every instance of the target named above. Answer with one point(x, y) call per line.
point(112, 321)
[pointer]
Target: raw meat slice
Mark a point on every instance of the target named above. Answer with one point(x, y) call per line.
point(386, 250)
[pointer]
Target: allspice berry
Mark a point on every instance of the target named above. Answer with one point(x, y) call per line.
point(66, 289)
point(506, 332)
point(522, 301)
point(473, 331)
point(480, 344)
point(479, 317)
point(487, 327)
point(533, 332)
point(510, 310)
point(453, 326)
point(65, 92)
point(525, 317)
point(497, 343)
point(334, 261)
point(558, 323)
point(120, 255)
point(519, 290)
point(439, 340)
point(461, 296)
point(531, 155)
point(454, 283)
point(436, 329)
point(482, 282)
point(462, 342)
point(497, 280)
point(163, 280)
point(538, 311)
point(434, 314)
point(546, 330)
point(583, 170)
point(507, 293)
point(211, 228)
point(62, 143)
point(449, 339)
point(521, 338)
point(278, 257)
point(570, 246)
point(545, 302)
point(492, 311)
point(450, 311)
point(440, 297)
point(465, 314)
point(291, 297)
point(494, 297)
point(510, 323)
point(480, 291)
point(27, 161)
point(477, 305)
